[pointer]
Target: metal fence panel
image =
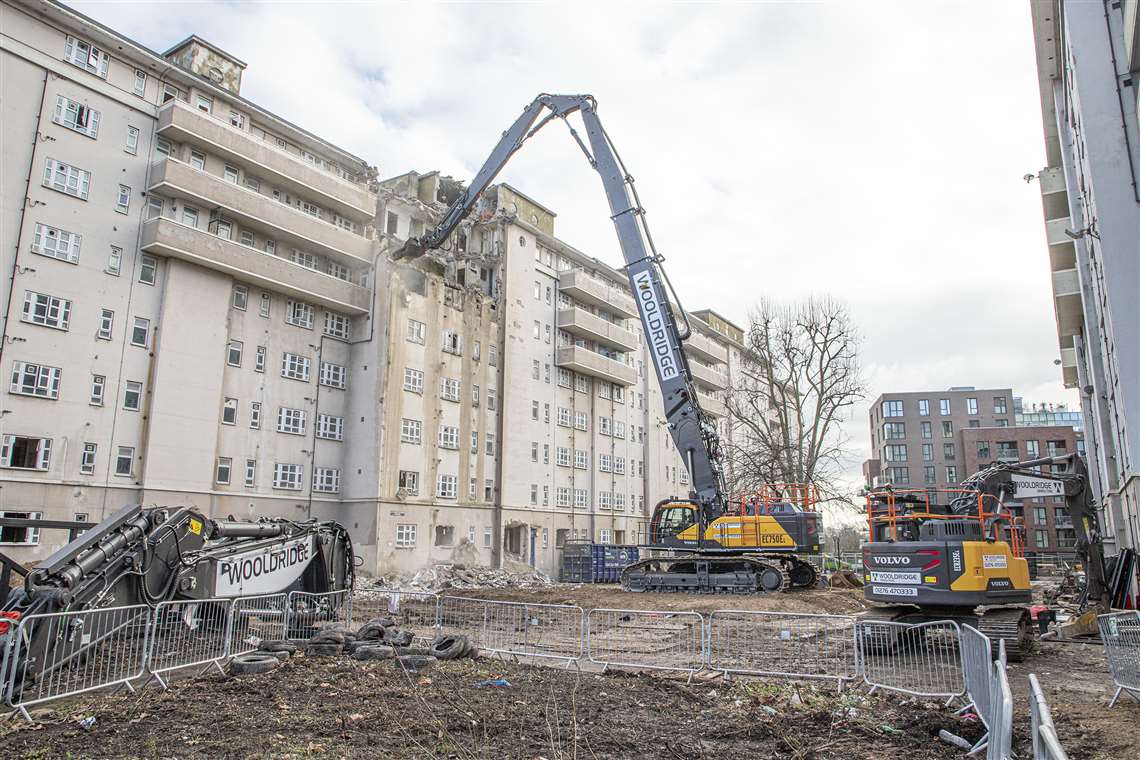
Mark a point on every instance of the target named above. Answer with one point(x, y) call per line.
point(60, 654)
point(1001, 715)
point(254, 619)
point(646, 639)
point(785, 645)
point(1120, 632)
point(519, 628)
point(977, 670)
point(184, 634)
point(415, 611)
point(1046, 744)
point(309, 611)
point(921, 659)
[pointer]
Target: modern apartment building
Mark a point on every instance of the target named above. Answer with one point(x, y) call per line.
point(188, 285)
point(1088, 62)
point(519, 406)
point(1047, 414)
point(916, 438)
point(1047, 525)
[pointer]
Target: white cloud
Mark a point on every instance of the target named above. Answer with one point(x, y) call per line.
point(873, 151)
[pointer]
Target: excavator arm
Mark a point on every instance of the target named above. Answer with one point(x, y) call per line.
point(693, 432)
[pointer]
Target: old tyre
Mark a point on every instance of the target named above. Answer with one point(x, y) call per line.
point(414, 663)
point(328, 636)
point(278, 645)
point(398, 638)
point(323, 650)
point(281, 656)
point(371, 631)
point(449, 647)
point(374, 652)
point(253, 663)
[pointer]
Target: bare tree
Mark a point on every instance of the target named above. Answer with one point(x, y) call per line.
point(799, 377)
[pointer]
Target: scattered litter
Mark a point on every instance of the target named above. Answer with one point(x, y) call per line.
point(500, 682)
point(87, 722)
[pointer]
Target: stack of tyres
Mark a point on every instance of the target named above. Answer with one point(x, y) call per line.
point(595, 563)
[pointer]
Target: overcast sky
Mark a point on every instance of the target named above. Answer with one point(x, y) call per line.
point(871, 150)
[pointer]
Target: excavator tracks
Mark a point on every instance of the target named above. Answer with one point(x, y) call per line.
point(719, 575)
point(1013, 624)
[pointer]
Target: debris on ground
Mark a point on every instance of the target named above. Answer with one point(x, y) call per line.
point(844, 579)
point(444, 576)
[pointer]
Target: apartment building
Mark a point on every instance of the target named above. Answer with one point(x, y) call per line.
point(917, 437)
point(1088, 60)
point(1047, 525)
point(518, 382)
point(189, 282)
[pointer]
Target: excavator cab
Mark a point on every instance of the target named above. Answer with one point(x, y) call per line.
point(674, 520)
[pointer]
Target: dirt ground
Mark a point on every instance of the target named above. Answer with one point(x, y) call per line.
point(342, 708)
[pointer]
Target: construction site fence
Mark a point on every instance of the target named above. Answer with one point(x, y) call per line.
point(1046, 744)
point(653, 639)
point(919, 659)
point(1120, 632)
point(783, 645)
point(517, 628)
point(1000, 740)
point(978, 672)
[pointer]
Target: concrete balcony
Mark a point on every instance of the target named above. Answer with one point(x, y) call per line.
point(712, 405)
point(285, 224)
point(582, 323)
point(581, 286)
point(594, 364)
point(1067, 300)
point(706, 348)
point(708, 377)
point(183, 123)
point(1055, 231)
point(1052, 180)
point(165, 237)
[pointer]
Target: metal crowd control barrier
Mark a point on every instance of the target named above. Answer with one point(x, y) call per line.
point(1120, 632)
point(415, 611)
point(977, 670)
point(1001, 711)
point(254, 619)
point(783, 645)
point(922, 659)
point(516, 628)
point(646, 639)
point(76, 652)
point(308, 611)
point(1046, 745)
point(184, 634)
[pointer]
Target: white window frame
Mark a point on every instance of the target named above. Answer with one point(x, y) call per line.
point(36, 380)
point(250, 473)
point(66, 179)
point(46, 310)
point(78, 117)
point(255, 415)
point(337, 325)
point(114, 261)
point(288, 477)
point(330, 427)
point(291, 421)
point(405, 535)
point(326, 479)
point(333, 375)
point(123, 200)
point(148, 269)
point(86, 56)
point(140, 83)
point(98, 390)
point(31, 535)
point(144, 324)
point(125, 453)
point(417, 331)
point(408, 481)
point(295, 367)
point(223, 470)
point(87, 458)
point(229, 411)
point(449, 389)
point(413, 380)
point(411, 431)
point(446, 486)
point(132, 388)
point(43, 452)
point(449, 437)
point(299, 314)
point(132, 144)
point(56, 243)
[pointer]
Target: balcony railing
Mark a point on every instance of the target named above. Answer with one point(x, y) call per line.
point(594, 364)
point(708, 377)
point(166, 237)
point(578, 321)
point(581, 286)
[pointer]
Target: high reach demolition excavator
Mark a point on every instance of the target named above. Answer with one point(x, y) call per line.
point(718, 549)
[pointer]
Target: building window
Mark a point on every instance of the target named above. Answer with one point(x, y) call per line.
point(947, 451)
point(391, 223)
point(1001, 423)
point(255, 415)
point(581, 459)
point(490, 447)
point(944, 406)
point(446, 486)
point(205, 104)
point(250, 472)
point(923, 407)
point(266, 304)
point(288, 476)
point(229, 411)
point(581, 420)
point(132, 396)
point(300, 314)
point(562, 456)
point(492, 399)
point(326, 479)
point(330, 427)
point(155, 205)
point(405, 532)
point(20, 536)
point(87, 460)
point(581, 498)
point(924, 430)
point(892, 408)
point(307, 260)
point(140, 83)
point(413, 380)
point(148, 269)
point(240, 299)
point(999, 405)
point(125, 461)
point(67, 179)
point(894, 430)
point(76, 117)
point(333, 375)
point(123, 201)
point(409, 482)
point(258, 359)
point(898, 475)
point(114, 261)
point(951, 474)
point(928, 474)
point(416, 331)
point(947, 429)
point(98, 389)
point(971, 406)
point(291, 421)
point(230, 174)
point(337, 325)
point(45, 310)
point(295, 367)
point(35, 380)
point(106, 324)
point(449, 437)
point(132, 144)
point(21, 452)
point(983, 451)
point(140, 332)
point(162, 146)
point(411, 431)
point(1032, 449)
point(895, 453)
point(225, 464)
point(56, 243)
point(449, 389)
point(452, 343)
point(86, 56)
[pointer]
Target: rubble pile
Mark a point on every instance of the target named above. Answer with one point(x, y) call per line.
point(455, 575)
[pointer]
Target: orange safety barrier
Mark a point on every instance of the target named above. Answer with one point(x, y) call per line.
point(891, 511)
point(804, 496)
